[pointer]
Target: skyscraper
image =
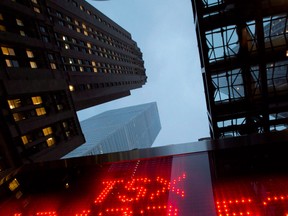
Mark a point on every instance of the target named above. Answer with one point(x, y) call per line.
point(119, 130)
point(243, 52)
point(58, 57)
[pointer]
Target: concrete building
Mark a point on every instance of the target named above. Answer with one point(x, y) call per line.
point(119, 130)
point(58, 57)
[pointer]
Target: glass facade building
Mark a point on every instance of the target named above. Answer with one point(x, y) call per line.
point(243, 52)
point(119, 130)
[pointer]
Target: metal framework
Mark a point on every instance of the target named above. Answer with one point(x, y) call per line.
point(243, 48)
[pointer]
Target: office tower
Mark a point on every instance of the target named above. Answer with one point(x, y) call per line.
point(58, 57)
point(243, 51)
point(119, 130)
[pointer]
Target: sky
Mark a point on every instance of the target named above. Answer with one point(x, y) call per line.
point(164, 31)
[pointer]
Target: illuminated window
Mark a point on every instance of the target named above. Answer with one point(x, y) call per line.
point(68, 133)
point(13, 185)
point(59, 107)
point(71, 88)
point(24, 140)
point(34, 1)
point(19, 22)
point(14, 103)
point(18, 116)
point(1, 16)
point(36, 100)
point(37, 10)
point(81, 69)
point(11, 63)
point(64, 38)
point(287, 53)
point(2, 28)
point(29, 54)
point(65, 125)
point(67, 46)
point(33, 64)
point(8, 51)
point(88, 45)
point(76, 22)
point(78, 30)
point(95, 70)
point(86, 33)
point(40, 111)
point(81, 7)
point(47, 131)
point(83, 25)
point(53, 66)
point(22, 33)
point(50, 141)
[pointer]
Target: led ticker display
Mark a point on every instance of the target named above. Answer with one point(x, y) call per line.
point(157, 186)
point(257, 196)
point(166, 186)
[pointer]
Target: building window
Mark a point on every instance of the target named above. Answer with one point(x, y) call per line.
point(19, 22)
point(40, 111)
point(71, 88)
point(2, 28)
point(42, 29)
point(22, 33)
point(24, 140)
point(67, 46)
point(11, 63)
point(68, 134)
point(34, 1)
point(14, 103)
point(18, 116)
point(59, 107)
point(33, 64)
point(13, 185)
point(36, 9)
point(8, 51)
point(1, 17)
point(53, 66)
point(29, 54)
point(65, 124)
point(50, 56)
point(50, 141)
point(45, 39)
point(36, 100)
point(46, 131)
